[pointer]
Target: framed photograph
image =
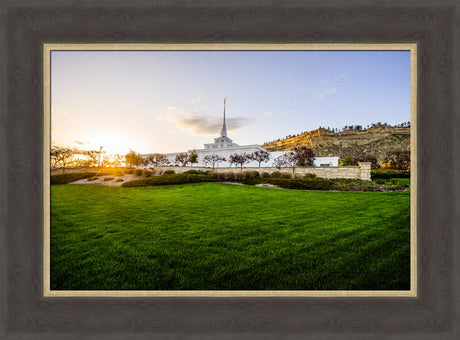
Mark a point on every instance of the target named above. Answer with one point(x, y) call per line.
point(200, 234)
point(77, 76)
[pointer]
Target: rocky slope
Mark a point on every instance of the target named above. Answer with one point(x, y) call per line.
point(376, 141)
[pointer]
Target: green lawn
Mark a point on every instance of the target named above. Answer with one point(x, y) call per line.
point(209, 236)
point(402, 180)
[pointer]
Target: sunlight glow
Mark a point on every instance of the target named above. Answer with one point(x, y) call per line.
point(112, 142)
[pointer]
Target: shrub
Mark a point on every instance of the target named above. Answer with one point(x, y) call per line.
point(168, 180)
point(310, 176)
point(295, 183)
point(119, 180)
point(168, 172)
point(303, 183)
point(92, 178)
point(129, 171)
point(214, 175)
point(265, 174)
point(108, 179)
point(276, 174)
point(340, 187)
point(225, 176)
point(69, 178)
point(196, 172)
point(138, 172)
point(387, 174)
point(240, 176)
point(251, 174)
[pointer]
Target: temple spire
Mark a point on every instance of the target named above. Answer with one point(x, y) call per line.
point(223, 132)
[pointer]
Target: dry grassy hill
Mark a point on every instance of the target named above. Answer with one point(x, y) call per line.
point(376, 141)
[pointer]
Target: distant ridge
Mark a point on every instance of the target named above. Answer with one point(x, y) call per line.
point(376, 140)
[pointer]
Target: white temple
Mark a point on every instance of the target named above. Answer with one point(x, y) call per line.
point(224, 146)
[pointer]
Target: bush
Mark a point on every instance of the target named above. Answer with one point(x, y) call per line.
point(138, 172)
point(226, 176)
point(265, 174)
point(129, 171)
point(303, 183)
point(108, 179)
point(276, 174)
point(119, 180)
point(168, 180)
point(168, 172)
point(240, 176)
point(69, 178)
point(92, 178)
point(196, 172)
point(310, 176)
point(294, 183)
point(251, 174)
point(387, 174)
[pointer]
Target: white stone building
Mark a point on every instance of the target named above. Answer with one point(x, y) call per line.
point(224, 147)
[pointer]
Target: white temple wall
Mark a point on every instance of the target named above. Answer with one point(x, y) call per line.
point(363, 171)
point(248, 149)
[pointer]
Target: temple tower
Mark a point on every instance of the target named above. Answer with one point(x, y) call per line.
point(223, 132)
point(223, 141)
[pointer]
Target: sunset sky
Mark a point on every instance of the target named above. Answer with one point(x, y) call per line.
point(171, 101)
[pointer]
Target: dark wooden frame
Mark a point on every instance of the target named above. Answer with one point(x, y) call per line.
point(26, 25)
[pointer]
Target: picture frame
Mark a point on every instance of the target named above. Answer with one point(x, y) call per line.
point(49, 49)
point(26, 313)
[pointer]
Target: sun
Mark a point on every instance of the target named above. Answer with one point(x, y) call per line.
point(113, 142)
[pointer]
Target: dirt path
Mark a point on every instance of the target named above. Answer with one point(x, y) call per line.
point(111, 183)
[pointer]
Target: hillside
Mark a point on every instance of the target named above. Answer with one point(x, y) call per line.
point(376, 141)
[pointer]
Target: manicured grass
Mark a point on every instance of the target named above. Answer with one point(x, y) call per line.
point(208, 236)
point(402, 180)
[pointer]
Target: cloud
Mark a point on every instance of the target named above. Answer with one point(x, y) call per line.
point(79, 142)
point(267, 114)
point(200, 124)
point(200, 97)
point(324, 87)
point(324, 92)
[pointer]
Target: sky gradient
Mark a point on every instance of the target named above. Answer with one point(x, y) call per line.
point(172, 101)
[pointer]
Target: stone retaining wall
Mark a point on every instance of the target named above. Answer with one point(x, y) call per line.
point(363, 171)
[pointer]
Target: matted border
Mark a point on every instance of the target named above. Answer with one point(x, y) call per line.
point(412, 48)
point(25, 314)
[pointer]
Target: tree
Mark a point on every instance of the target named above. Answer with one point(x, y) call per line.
point(239, 159)
point(93, 157)
point(193, 157)
point(161, 159)
point(143, 161)
point(213, 160)
point(157, 159)
point(305, 156)
point(182, 158)
point(300, 156)
point(287, 159)
point(347, 161)
point(61, 156)
point(260, 156)
point(132, 158)
point(150, 159)
point(279, 162)
point(398, 160)
point(367, 158)
point(117, 160)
